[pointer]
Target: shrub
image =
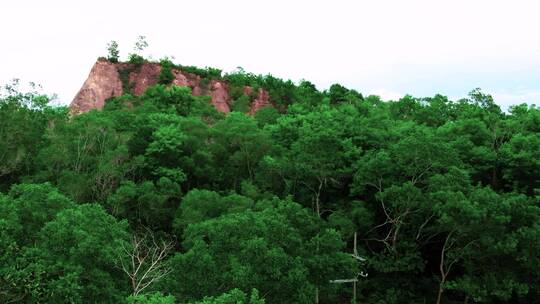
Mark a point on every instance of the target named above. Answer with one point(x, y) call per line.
point(241, 104)
point(207, 72)
point(136, 59)
point(124, 77)
point(166, 76)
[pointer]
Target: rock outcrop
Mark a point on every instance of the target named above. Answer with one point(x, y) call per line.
point(107, 79)
point(143, 77)
point(262, 100)
point(220, 96)
point(102, 83)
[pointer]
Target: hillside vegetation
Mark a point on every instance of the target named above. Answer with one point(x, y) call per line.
point(159, 198)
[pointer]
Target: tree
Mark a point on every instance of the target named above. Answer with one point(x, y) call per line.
point(481, 233)
point(175, 97)
point(165, 76)
point(138, 48)
point(521, 167)
point(151, 298)
point(234, 296)
point(112, 48)
point(200, 205)
point(266, 116)
point(34, 205)
point(147, 204)
point(143, 261)
point(86, 158)
point(24, 118)
point(238, 145)
point(278, 250)
point(23, 213)
point(140, 44)
point(337, 93)
point(74, 256)
point(318, 155)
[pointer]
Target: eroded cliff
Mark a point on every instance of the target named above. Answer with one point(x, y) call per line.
point(107, 79)
point(103, 82)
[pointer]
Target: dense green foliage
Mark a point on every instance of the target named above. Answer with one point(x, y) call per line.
point(207, 73)
point(166, 76)
point(161, 199)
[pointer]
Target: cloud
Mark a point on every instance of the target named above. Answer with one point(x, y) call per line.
point(419, 47)
point(507, 99)
point(386, 94)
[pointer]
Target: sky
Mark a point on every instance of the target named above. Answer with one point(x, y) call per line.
point(387, 48)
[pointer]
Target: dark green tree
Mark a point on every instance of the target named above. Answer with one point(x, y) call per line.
point(165, 76)
point(112, 48)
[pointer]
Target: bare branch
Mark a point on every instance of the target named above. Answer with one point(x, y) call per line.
point(146, 260)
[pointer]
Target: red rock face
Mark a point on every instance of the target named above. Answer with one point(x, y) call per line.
point(187, 80)
point(248, 90)
point(262, 100)
point(147, 75)
point(197, 91)
point(180, 79)
point(220, 96)
point(104, 82)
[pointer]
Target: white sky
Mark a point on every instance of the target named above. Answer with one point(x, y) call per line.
point(389, 48)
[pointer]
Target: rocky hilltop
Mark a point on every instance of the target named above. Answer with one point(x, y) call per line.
point(108, 79)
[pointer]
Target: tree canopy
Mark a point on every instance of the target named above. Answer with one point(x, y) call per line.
point(326, 197)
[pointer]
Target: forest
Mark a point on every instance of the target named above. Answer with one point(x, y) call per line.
point(328, 196)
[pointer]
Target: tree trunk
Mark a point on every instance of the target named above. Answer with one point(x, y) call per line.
point(439, 294)
point(444, 273)
point(318, 196)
